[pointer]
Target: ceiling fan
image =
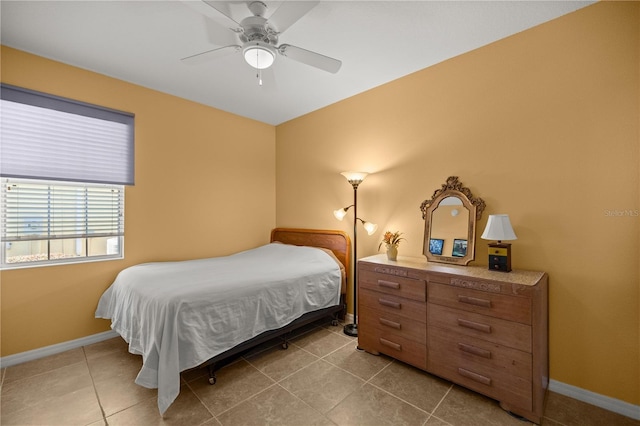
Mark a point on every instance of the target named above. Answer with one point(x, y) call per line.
point(257, 37)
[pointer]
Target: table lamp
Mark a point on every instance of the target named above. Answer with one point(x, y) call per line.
point(499, 228)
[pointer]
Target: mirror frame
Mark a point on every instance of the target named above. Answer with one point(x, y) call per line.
point(452, 188)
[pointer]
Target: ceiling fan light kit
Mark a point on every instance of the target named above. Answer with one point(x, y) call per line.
point(258, 54)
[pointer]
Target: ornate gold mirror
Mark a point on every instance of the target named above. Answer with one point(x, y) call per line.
point(450, 223)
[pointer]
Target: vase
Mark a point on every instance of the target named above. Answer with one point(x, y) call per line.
point(392, 252)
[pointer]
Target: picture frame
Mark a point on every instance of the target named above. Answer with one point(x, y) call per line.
point(435, 246)
point(459, 248)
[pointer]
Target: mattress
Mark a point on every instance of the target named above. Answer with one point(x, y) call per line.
point(177, 315)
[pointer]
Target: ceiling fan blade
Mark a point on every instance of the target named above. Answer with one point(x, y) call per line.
point(225, 9)
point(218, 34)
point(289, 13)
point(219, 11)
point(310, 58)
point(199, 58)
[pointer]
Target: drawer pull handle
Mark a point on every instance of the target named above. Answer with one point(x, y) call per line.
point(389, 284)
point(389, 323)
point(475, 376)
point(474, 350)
point(391, 344)
point(474, 325)
point(390, 303)
point(474, 301)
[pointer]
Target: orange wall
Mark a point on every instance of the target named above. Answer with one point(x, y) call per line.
point(205, 186)
point(544, 126)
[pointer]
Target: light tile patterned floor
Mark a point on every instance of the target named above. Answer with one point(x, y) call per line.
point(321, 379)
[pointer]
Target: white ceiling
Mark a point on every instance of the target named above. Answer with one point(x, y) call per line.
point(142, 42)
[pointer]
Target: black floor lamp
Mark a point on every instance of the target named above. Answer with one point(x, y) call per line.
point(355, 179)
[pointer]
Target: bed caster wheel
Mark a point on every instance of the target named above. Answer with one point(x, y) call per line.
point(285, 345)
point(212, 380)
point(334, 322)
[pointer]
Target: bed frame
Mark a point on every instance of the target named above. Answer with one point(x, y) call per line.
point(336, 241)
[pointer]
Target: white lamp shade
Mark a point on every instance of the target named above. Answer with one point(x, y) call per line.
point(340, 213)
point(354, 176)
point(370, 227)
point(259, 55)
point(499, 228)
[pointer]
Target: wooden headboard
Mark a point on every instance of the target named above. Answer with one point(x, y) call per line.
point(336, 241)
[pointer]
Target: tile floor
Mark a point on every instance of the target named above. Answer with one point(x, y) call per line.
point(321, 379)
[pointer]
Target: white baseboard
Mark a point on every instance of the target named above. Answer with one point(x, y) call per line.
point(11, 360)
point(602, 401)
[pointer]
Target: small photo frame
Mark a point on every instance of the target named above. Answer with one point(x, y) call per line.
point(459, 248)
point(435, 246)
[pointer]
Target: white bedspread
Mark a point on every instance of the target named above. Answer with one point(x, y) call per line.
point(177, 315)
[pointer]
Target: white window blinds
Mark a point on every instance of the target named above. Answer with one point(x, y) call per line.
point(37, 210)
point(52, 138)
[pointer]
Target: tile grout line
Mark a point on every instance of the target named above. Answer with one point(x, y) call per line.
point(323, 356)
point(305, 402)
point(188, 385)
point(440, 403)
point(318, 358)
point(400, 399)
point(368, 382)
point(381, 370)
point(347, 371)
point(250, 396)
point(301, 368)
point(95, 391)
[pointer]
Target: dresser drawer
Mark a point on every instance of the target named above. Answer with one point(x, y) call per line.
point(497, 305)
point(375, 340)
point(499, 372)
point(512, 390)
point(391, 284)
point(392, 323)
point(480, 355)
point(387, 303)
point(506, 333)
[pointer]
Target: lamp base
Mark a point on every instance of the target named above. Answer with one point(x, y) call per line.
point(500, 257)
point(351, 330)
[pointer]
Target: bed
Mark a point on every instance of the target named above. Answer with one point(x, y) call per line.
point(199, 313)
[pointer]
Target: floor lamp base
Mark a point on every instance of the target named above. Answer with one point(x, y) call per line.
point(351, 330)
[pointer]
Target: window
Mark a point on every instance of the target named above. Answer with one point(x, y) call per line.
point(62, 222)
point(63, 168)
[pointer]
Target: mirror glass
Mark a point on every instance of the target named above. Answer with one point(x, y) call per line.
point(450, 220)
point(449, 228)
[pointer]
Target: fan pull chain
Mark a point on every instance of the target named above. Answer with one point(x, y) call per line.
point(258, 70)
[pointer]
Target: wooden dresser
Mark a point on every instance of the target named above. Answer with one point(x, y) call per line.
point(484, 330)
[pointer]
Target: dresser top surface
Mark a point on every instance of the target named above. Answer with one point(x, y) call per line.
point(516, 276)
